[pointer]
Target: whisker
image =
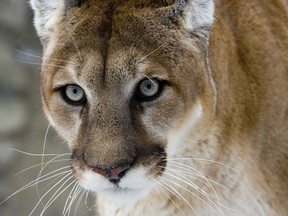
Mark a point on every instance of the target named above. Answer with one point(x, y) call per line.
point(187, 172)
point(205, 161)
point(166, 194)
point(150, 79)
point(164, 180)
point(69, 197)
point(198, 174)
point(168, 187)
point(188, 183)
point(44, 195)
point(54, 197)
point(37, 165)
point(160, 184)
point(77, 192)
point(36, 155)
point(43, 168)
point(48, 65)
point(32, 183)
point(153, 51)
point(207, 195)
point(41, 57)
point(42, 159)
point(189, 168)
point(193, 176)
point(44, 144)
point(74, 196)
point(79, 201)
point(53, 181)
point(86, 200)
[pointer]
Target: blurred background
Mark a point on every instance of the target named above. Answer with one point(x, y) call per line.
point(22, 123)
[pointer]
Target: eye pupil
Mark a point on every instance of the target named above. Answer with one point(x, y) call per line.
point(149, 86)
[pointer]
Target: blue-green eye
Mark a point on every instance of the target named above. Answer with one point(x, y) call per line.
point(149, 87)
point(147, 90)
point(74, 95)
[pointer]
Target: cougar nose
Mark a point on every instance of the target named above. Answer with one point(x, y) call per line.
point(113, 174)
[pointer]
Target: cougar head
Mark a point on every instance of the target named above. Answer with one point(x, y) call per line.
point(126, 84)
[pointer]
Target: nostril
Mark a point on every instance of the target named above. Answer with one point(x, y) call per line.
point(113, 173)
point(119, 171)
point(100, 172)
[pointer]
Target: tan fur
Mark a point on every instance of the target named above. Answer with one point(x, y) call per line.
point(232, 81)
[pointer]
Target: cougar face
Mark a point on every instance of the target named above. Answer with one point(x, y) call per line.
point(128, 85)
point(119, 84)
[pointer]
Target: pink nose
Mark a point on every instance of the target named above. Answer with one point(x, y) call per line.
point(114, 173)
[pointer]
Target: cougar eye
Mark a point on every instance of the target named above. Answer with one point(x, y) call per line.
point(74, 95)
point(149, 89)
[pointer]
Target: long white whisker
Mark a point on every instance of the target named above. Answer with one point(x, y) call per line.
point(164, 180)
point(212, 162)
point(42, 64)
point(40, 57)
point(146, 56)
point(188, 183)
point(79, 201)
point(170, 189)
point(167, 188)
point(43, 167)
point(53, 181)
point(187, 172)
point(36, 155)
point(32, 183)
point(44, 195)
point(189, 168)
point(54, 197)
point(44, 144)
point(206, 182)
point(37, 165)
point(73, 197)
point(207, 195)
point(161, 185)
point(86, 199)
point(69, 197)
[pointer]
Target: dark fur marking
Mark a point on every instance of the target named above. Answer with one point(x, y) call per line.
point(70, 4)
point(106, 33)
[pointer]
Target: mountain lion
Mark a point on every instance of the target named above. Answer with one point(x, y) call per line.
point(171, 107)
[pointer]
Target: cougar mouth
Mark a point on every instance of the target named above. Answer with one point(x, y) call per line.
point(135, 183)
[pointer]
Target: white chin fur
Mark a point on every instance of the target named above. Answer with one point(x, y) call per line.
point(125, 196)
point(135, 185)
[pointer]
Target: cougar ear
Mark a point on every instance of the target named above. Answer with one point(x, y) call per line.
point(196, 13)
point(46, 15)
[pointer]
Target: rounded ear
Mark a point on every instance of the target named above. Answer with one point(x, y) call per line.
point(46, 15)
point(196, 13)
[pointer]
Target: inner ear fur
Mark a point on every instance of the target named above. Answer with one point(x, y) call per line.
point(48, 12)
point(194, 14)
